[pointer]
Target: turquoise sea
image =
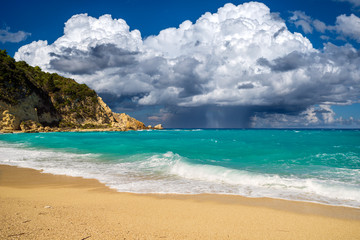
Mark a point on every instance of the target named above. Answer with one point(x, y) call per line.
point(306, 165)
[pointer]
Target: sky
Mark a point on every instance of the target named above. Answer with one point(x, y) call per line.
point(201, 64)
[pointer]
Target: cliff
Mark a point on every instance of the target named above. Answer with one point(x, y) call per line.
point(32, 100)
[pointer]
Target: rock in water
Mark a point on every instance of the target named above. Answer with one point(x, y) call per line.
point(159, 127)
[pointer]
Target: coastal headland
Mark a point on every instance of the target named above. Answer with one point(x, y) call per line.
point(35, 205)
point(35, 101)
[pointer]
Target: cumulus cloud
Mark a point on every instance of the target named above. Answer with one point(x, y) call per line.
point(13, 37)
point(348, 26)
point(220, 71)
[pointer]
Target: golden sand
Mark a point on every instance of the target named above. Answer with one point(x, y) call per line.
point(34, 205)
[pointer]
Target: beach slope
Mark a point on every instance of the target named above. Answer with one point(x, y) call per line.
point(34, 205)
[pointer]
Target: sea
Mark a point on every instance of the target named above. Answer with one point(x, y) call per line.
point(311, 165)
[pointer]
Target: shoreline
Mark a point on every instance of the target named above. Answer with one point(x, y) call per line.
point(75, 130)
point(107, 129)
point(298, 206)
point(41, 206)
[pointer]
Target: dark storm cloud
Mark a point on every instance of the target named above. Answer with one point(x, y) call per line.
point(330, 76)
point(78, 62)
point(245, 86)
point(289, 62)
point(187, 79)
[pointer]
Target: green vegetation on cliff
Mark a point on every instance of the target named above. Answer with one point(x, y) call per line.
point(18, 80)
point(29, 96)
point(14, 82)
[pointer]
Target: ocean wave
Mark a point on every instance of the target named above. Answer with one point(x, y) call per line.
point(50, 161)
point(172, 173)
point(271, 185)
point(350, 159)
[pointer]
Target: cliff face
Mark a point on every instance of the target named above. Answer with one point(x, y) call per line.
point(32, 100)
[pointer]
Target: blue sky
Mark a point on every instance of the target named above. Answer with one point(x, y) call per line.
point(23, 22)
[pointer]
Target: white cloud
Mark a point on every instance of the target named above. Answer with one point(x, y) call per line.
point(318, 116)
point(348, 26)
point(328, 114)
point(13, 37)
point(310, 116)
point(307, 23)
point(345, 26)
point(239, 57)
point(300, 19)
point(319, 25)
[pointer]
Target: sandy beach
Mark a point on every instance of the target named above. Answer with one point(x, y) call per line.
point(34, 205)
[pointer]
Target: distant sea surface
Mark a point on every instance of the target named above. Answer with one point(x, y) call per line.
point(320, 166)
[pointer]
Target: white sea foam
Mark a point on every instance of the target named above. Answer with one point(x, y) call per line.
point(265, 185)
point(46, 160)
point(172, 173)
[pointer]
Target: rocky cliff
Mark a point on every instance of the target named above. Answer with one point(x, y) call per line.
point(32, 100)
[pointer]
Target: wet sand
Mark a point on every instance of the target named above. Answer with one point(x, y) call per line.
point(34, 205)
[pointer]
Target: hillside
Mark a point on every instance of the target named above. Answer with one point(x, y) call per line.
point(32, 100)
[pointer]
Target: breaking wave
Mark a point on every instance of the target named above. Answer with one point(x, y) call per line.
point(171, 173)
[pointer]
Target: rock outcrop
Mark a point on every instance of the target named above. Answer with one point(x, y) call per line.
point(158, 127)
point(124, 120)
point(32, 100)
point(7, 121)
point(31, 126)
